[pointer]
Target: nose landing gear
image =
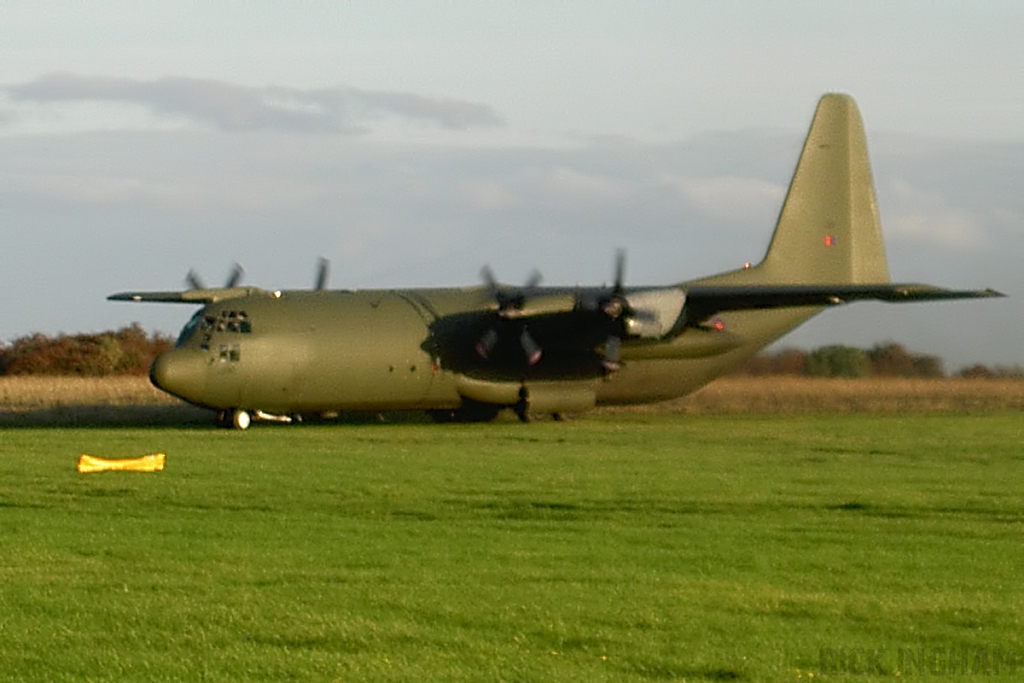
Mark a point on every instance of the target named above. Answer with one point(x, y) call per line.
point(235, 418)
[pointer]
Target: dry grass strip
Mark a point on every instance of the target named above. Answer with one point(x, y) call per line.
point(28, 393)
point(793, 395)
point(87, 396)
point(27, 401)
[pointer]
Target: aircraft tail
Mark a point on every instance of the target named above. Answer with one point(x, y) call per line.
point(828, 231)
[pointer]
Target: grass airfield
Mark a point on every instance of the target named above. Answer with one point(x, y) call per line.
point(629, 547)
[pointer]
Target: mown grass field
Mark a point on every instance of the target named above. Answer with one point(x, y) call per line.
point(629, 547)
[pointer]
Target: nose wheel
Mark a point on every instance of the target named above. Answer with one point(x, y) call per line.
point(240, 419)
point(235, 418)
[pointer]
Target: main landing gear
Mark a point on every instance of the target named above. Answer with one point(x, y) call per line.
point(239, 418)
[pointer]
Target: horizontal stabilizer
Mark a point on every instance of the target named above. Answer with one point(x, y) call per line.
point(702, 302)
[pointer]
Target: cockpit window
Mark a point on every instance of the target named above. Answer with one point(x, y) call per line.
point(225, 321)
point(233, 321)
point(229, 352)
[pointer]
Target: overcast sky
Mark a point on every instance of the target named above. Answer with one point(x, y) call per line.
point(412, 142)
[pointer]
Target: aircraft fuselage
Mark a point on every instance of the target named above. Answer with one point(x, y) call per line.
point(376, 350)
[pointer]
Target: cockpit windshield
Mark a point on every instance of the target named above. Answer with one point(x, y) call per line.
point(210, 322)
point(189, 328)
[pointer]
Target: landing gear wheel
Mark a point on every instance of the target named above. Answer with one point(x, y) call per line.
point(240, 419)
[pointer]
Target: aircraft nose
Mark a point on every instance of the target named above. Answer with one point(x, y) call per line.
point(179, 372)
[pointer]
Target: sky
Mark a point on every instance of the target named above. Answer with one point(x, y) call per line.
point(410, 143)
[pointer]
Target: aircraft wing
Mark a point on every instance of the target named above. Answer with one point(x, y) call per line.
point(190, 296)
point(704, 301)
point(162, 297)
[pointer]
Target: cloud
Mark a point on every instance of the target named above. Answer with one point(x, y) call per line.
point(729, 198)
point(927, 216)
point(489, 196)
point(228, 107)
point(575, 188)
point(546, 191)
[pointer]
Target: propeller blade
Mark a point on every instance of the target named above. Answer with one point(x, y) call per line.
point(612, 359)
point(235, 277)
point(620, 271)
point(323, 270)
point(194, 281)
point(487, 275)
point(533, 280)
point(530, 347)
point(486, 345)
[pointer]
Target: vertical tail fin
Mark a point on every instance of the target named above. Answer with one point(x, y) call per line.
point(828, 231)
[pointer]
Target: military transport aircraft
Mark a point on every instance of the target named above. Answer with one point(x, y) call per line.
point(465, 354)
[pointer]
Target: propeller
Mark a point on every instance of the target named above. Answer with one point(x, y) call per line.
point(612, 304)
point(193, 280)
point(618, 310)
point(510, 300)
point(623, 317)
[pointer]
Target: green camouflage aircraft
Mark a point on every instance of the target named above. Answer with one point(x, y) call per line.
point(465, 354)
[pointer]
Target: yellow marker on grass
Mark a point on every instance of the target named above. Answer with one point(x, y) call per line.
point(147, 463)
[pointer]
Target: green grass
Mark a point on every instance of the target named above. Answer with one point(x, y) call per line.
point(630, 548)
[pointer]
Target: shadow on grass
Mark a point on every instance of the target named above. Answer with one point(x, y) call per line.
point(175, 416)
point(109, 416)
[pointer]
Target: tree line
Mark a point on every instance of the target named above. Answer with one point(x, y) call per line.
point(882, 360)
point(127, 351)
point(130, 350)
